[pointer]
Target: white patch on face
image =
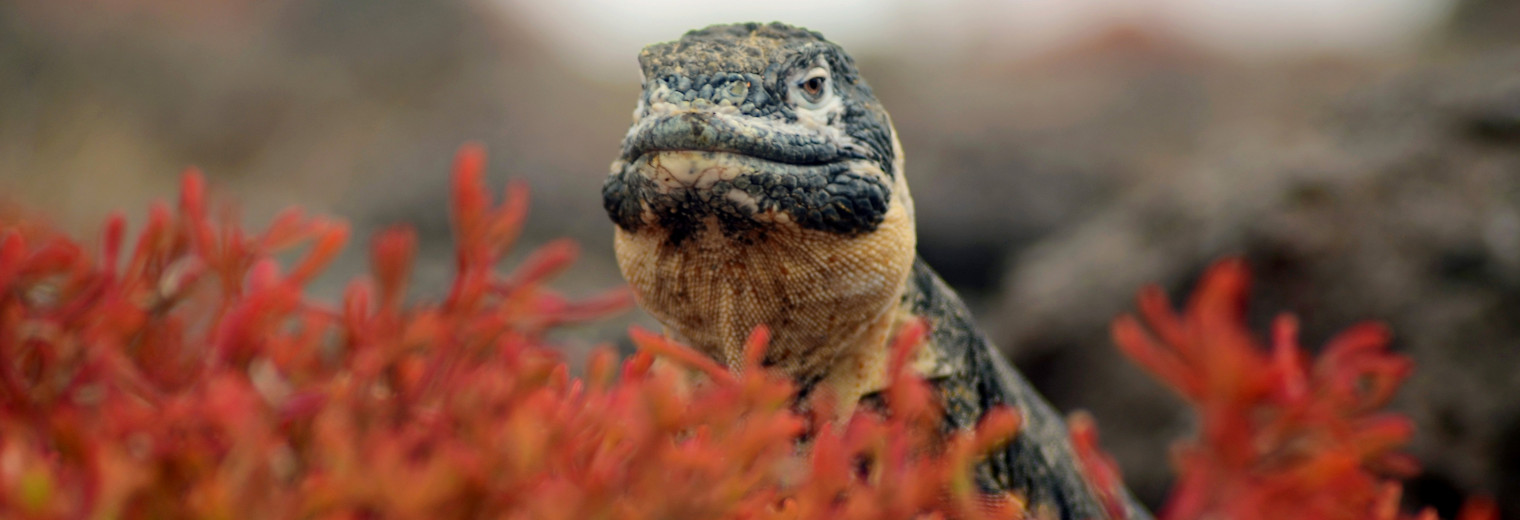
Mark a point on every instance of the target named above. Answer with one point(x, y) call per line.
point(742, 199)
point(658, 104)
point(726, 108)
point(647, 110)
point(684, 170)
point(679, 170)
point(639, 110)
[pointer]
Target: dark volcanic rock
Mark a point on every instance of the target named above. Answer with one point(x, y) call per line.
point(1400, 203)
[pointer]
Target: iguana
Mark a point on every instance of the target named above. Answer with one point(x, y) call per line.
point(763, 183)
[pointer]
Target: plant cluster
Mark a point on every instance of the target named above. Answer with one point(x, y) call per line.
point(184, 373)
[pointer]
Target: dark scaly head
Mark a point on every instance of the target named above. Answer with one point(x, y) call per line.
point(761, 183)
point(782, 114)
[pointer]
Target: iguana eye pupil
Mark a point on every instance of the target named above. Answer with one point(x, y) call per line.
point(813, 86)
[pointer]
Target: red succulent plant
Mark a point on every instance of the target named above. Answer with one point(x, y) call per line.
point(188, 376)
point(185, 374)
point(1280, 436)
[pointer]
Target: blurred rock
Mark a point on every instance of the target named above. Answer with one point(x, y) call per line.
point(1484, 23)
point(1399, 203)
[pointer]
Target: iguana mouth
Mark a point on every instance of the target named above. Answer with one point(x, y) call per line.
point(711, 131)
point(704, 170)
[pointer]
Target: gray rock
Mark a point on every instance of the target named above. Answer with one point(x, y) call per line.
point(1400, 203)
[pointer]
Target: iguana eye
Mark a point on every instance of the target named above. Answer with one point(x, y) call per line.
point(812, 90)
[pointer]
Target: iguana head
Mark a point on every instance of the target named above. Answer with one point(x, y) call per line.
point(762, 183)
point(776, 106)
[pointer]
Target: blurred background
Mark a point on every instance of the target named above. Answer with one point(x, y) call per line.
point(1363, 155)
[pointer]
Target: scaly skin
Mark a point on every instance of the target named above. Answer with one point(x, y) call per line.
point(762, 183)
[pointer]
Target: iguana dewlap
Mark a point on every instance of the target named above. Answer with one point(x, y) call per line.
point(763, 183)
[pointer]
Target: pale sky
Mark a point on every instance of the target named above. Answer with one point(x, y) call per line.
point(600, 36)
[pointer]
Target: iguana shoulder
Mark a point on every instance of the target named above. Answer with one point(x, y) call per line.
point(971, 378)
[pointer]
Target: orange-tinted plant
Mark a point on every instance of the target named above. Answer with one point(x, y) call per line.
point(1280, 436)
point(184, 374)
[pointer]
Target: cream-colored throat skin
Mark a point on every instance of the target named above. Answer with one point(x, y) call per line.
point(831, 301)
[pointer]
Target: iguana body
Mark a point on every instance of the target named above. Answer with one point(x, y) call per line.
point(762, 183)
